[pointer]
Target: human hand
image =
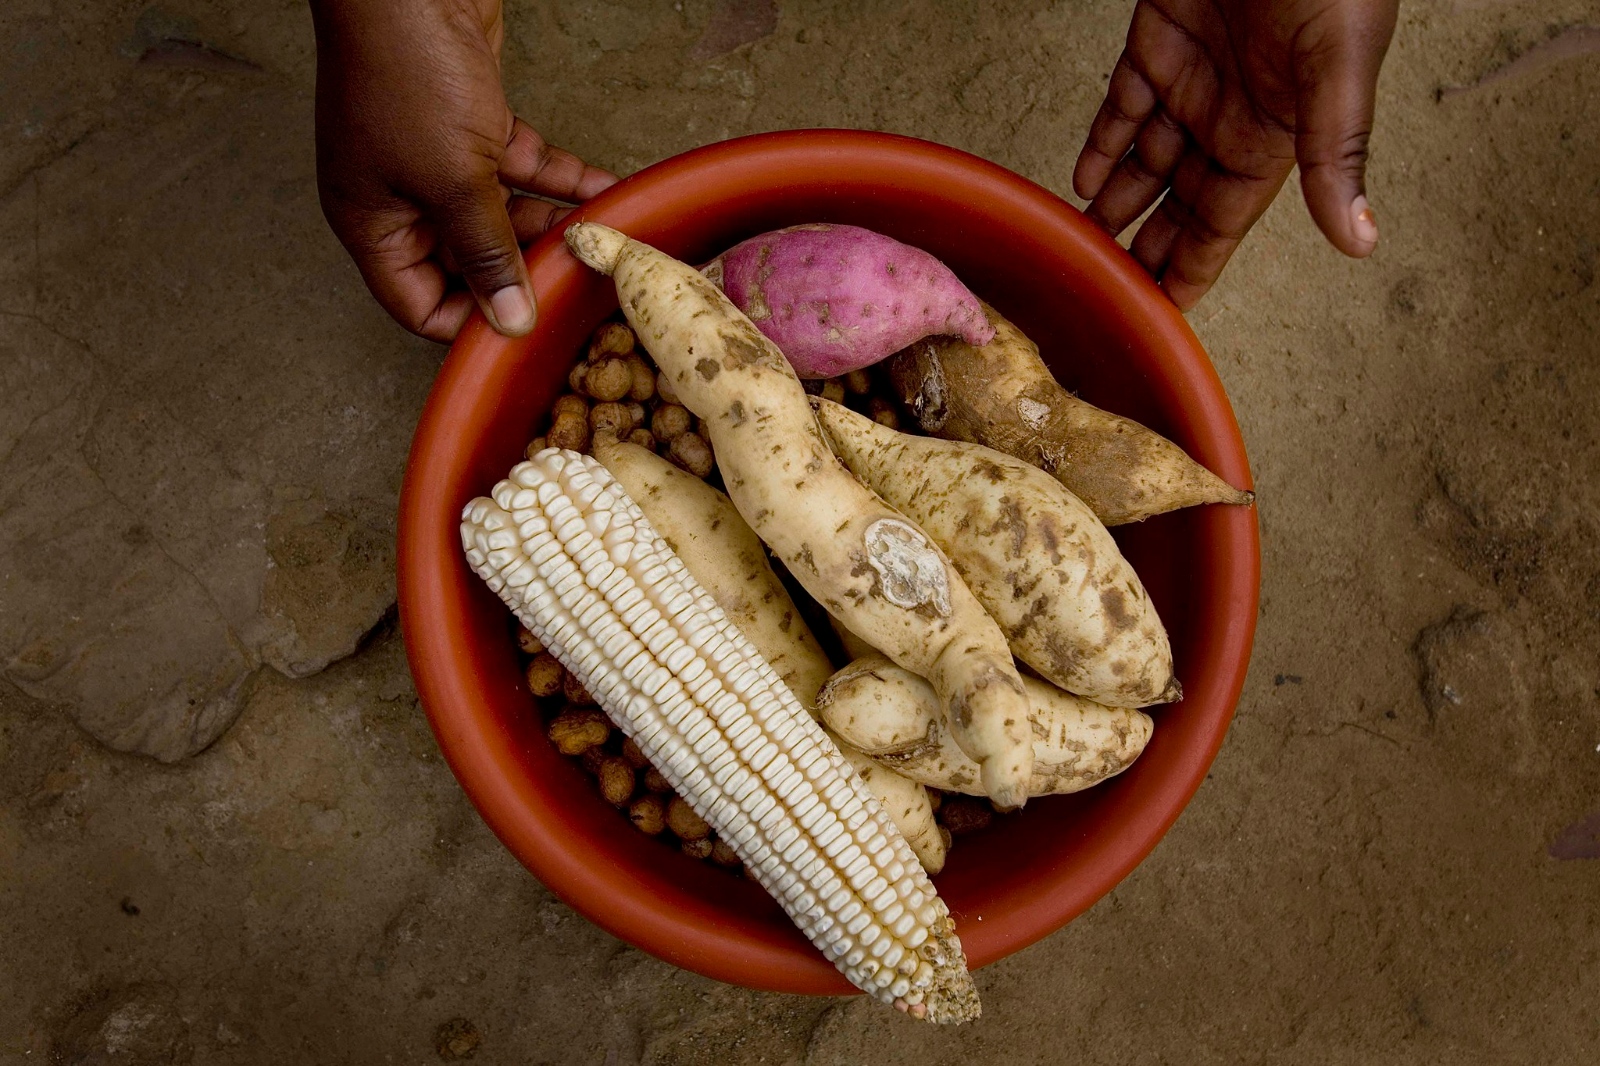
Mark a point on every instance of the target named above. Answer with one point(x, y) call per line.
point(1218, 100)
point(417, 157)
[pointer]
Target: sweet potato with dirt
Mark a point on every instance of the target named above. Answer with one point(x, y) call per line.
point(838, 298)
point(892, 716)
point(857, 556)
point(1037, 559)
point(1001, 395)
point(724, 554)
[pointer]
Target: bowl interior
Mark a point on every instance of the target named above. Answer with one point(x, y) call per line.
point(1106, 333)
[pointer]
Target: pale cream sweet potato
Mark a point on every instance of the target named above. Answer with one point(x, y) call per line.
point(1037, 559)
point(724, 554)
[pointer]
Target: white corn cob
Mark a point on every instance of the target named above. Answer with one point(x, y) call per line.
point(580, 566)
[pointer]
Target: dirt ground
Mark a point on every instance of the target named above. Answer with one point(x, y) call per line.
point(226, 835)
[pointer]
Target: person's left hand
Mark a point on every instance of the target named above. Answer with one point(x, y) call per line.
point(1212, 103)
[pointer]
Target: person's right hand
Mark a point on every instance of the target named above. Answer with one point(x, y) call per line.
point(417, 157)
point(1212, 104)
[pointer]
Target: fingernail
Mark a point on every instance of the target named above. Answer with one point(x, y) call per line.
point(1365, 224)
point(513, 310)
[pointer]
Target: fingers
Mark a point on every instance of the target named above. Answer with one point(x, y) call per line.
point(1128, 103)
point(1142, 174)
point(475, 227)
point(410, 253)
point(1189, 238)
point(408, 282)
point(531, 165)
point(531, 218)
point(1337, 71)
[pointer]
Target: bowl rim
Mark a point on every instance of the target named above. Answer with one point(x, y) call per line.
point(428, 542)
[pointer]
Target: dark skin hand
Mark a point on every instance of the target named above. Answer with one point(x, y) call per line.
point(1212, 103)
point(418, 158)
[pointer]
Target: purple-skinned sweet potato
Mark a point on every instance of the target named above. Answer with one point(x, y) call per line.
point(838, 298)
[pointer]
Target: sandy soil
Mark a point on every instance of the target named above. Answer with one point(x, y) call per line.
point(225, 833)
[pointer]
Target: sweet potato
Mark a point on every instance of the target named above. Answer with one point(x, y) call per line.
point(857, 556)
point(854, 647)
point(893, 716)
point(1003, 396)
point(723, 553)
point(1036, 557)
point(838, 298)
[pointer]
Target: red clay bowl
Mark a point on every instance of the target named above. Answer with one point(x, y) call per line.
point(1106, 331)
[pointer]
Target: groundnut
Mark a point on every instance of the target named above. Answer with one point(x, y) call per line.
point(535, 446)
point(569, 431)
point(671, 420)
point(833, 389)
point(723, 855)
point(644, 379)
point(614, 418)
point(591, 759)
point(664, 388)
point(575, 732)
point(528, 642)
point(649, 813)
point(575, 693)
point(655, 781)
point(858, 382)
point(545, 675)
point(643, 438)
point(569, 404)
point(609, 380)
point(682, 820)
point(612, 338)
point(698, 849)
point(690, 451)
point(635, 757)
point(616, 780)
point(576, 375)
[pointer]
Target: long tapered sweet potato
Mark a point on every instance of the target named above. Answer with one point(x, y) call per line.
point(724, 555)
point(1003, 396)
point(1037, 559)
point(860, 558)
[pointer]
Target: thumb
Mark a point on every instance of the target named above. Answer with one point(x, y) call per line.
point(476, 229)
point(1333, 120)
